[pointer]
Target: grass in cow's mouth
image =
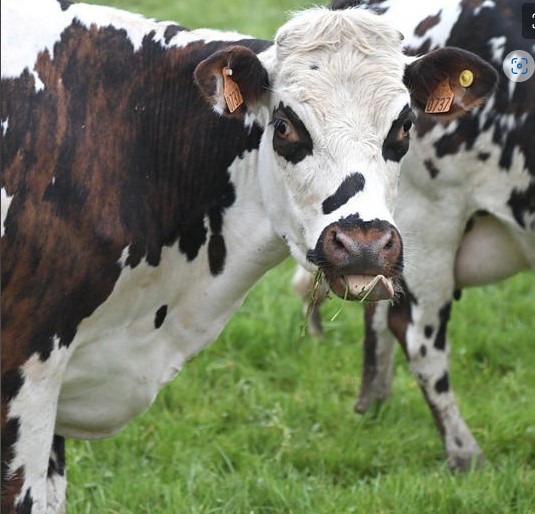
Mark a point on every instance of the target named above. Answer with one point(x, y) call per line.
point(346, 292)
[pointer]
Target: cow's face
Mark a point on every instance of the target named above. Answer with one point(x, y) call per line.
point(332, 95)
point(330, 156)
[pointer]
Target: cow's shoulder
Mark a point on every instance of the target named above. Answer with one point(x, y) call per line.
point(99, 155)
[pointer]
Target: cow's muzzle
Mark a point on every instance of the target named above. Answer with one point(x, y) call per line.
point(361, 260)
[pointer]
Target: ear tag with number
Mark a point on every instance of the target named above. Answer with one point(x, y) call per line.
point(441, 98)
point(231, 91)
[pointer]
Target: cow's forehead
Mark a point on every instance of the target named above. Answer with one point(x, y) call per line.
point(320, 28)
point(340, 66)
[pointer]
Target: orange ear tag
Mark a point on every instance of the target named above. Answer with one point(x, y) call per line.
point(441, 98)
point(231, 91)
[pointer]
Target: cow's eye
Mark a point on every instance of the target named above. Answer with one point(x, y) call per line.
point(282, 128)
point(291, 139)
point(407, 127)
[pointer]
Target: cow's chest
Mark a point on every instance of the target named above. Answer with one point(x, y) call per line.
point(134, 343)
point(137, 340)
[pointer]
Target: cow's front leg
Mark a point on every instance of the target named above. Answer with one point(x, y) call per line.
point(426, 346)
point(56, 487)
point(29, 451)
point(379, 345)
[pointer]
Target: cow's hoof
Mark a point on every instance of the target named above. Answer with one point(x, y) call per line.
point(362, 404)
point(464, 463)
point(367, 403)
point(371, 394)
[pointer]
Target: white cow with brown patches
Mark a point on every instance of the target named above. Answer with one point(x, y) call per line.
point(466, 205)
point(143, 202)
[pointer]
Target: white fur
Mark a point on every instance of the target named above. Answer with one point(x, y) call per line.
point(397, 15)
point(5, 200)
point(35, 406)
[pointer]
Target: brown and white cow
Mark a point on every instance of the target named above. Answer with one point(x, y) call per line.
point(466, 205)
point(151, 174)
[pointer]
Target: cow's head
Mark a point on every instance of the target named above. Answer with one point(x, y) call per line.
point(335, 95)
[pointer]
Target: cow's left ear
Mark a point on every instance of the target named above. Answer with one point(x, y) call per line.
point(450, 81)
point(232, 80)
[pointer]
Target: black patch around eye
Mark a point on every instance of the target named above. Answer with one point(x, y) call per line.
point(292, 151)
point(348, 188)
point(394, 147)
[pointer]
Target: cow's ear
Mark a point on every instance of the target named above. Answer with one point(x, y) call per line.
point(449, 82)
point(232, 80)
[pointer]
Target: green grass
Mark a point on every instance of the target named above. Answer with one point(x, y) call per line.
point(262, 421)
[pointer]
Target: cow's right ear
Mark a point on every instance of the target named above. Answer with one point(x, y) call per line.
point(449, 81)
point(232, 80)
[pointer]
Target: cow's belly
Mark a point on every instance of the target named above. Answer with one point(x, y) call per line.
point(488, 253)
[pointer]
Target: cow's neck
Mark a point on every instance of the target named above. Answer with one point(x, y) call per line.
point(158, 316)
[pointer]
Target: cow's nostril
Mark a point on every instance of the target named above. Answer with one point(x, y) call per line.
point(391, 241)
point(337, 242)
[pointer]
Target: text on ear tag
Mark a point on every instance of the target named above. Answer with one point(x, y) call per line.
point(441, 98)
point(231, 91)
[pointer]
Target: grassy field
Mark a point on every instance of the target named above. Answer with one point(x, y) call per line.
point(263, 422)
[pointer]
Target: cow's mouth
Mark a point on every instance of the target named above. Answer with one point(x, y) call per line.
point(361, 287)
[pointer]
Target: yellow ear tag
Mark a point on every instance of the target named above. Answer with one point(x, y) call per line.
point(466, 78)
point(231, 91)
point(441, 98)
